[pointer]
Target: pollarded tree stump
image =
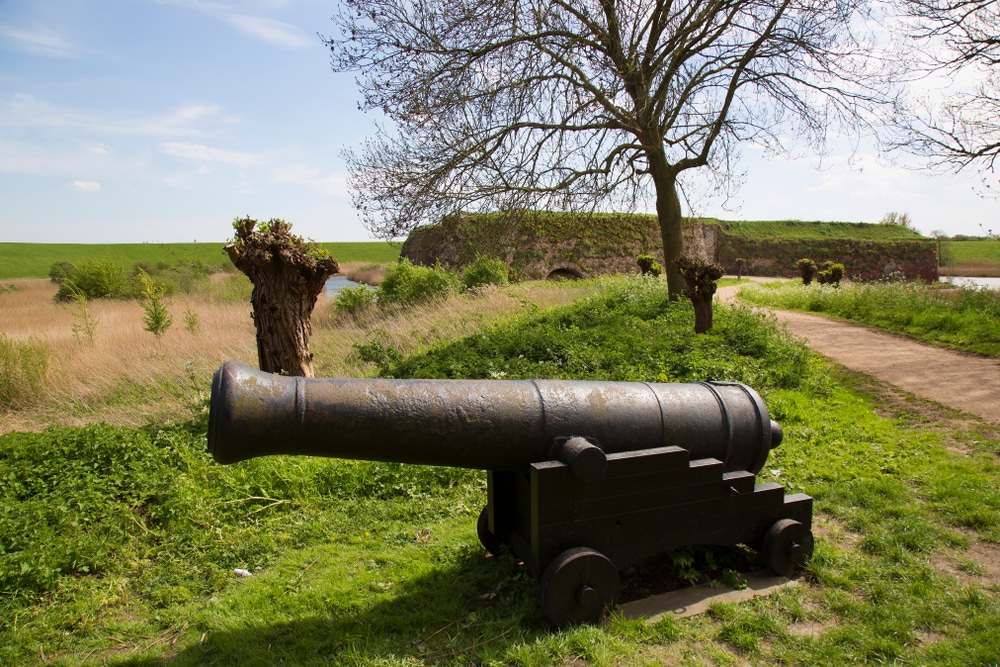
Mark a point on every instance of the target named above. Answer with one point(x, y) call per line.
point(288, 275)
point(700, 279)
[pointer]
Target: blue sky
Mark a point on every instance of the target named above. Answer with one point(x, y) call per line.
point(162, 120)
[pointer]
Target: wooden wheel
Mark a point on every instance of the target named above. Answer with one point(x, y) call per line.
point(786, 547)
point(486, 536)
point(576, 587)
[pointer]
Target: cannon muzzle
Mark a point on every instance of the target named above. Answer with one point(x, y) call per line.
point(485, 424)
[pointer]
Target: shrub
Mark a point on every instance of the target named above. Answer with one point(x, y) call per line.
point(649, 266)
point(832, 274)
point(407, 284)
point(235, 288)
point(60, 271)
point(485, 271)
point(355, 301)
point(93, 278)
point(22, 371)
point(807, 268)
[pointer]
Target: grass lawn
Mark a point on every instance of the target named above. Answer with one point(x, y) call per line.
point(33, 260)
point(121, 544)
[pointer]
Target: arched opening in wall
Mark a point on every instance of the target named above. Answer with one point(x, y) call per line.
point(564, 274)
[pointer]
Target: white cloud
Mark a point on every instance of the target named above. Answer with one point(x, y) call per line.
point(86, 186)
point(270, 30)
point(202, 153)
point(329, 184)
point(37, 42)
point(19, 110)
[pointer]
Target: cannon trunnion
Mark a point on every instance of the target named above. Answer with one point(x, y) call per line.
point(584, 478)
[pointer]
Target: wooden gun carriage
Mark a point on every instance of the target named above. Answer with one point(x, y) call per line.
point(584, 478)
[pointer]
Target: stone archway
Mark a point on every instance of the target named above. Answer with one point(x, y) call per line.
point(564, 274)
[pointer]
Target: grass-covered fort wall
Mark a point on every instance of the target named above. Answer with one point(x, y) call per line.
point(543, 244)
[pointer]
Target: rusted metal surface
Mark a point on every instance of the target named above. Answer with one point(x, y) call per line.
point(485, 424)
point(585, 478)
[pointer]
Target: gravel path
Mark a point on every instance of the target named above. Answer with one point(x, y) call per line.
point(961, 381)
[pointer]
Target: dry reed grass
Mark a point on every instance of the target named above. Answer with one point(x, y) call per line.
point(364, 272)
point(124, 375)
point(979, 268)
point(127, 376)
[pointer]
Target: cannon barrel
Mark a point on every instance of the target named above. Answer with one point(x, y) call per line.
point(485, 424)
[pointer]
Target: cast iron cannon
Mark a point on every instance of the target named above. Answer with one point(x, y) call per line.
point(584, 478)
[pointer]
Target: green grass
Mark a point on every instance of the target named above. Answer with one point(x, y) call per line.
point(964, 319)
point(801, 229)
point(117, 546)
point(962, 252)
point(33, 260)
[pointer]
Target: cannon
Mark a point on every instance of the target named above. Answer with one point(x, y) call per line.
point(584, 478)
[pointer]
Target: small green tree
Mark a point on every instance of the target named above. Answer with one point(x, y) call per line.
point(191, 321)
point(807, 269)
point(86, 324)
point(156, 320)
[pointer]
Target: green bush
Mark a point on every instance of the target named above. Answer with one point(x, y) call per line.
point(235, 288)
point(807, 268)
point(95, 279)
point(355, 301)
point(649, 266)
point(406, 284)
point(22, 372)
point(832, 274)
point(485, 271)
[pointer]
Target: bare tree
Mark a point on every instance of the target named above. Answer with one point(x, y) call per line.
point(588, 104)
point(962, 129)
point(287, 273)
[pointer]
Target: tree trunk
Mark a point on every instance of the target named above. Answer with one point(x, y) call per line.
point(668, 211)
point(702, 313)
point(287, 280)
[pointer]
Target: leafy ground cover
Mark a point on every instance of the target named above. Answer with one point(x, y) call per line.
point(33, 260)
point(120, 545)
point(960, 318)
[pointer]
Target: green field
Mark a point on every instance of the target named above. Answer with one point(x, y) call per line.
point(974, 251)
point(32, 260)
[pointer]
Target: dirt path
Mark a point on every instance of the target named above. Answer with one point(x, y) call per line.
point(960, 381)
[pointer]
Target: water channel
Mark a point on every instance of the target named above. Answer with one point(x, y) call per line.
point(337, 283)
point(987, 283)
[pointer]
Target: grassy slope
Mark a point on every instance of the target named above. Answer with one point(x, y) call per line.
point(800, 229)
point(372, 564)
point(32, 260)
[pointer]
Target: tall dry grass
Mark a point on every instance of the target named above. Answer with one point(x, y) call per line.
point(124, 375)
point(410, 329)
point(980, 268)
point(127, 376)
